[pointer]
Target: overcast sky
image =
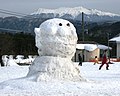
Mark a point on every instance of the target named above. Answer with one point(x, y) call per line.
point(29, 6)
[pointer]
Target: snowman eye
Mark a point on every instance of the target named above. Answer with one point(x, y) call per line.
point(68, 24)
point(60, 24)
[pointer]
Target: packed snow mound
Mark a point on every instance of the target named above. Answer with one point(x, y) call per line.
point(51, 68)
point(56, 41)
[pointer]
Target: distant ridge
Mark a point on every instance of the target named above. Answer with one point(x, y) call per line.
point(75, 13)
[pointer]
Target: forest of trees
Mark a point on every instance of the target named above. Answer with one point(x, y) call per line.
point(18, 43)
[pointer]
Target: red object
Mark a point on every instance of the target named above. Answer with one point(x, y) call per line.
point(104, 60)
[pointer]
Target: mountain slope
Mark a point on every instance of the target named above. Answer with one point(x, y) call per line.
point(75, 13)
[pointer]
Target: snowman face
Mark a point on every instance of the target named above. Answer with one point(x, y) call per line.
point(58, 35)
point(58, 27)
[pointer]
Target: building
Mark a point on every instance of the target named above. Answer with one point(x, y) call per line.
point(89, 50)
point(117, 40)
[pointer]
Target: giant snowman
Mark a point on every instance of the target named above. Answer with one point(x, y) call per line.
point(56, 42)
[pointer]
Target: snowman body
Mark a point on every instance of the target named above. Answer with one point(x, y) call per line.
point(56, 41)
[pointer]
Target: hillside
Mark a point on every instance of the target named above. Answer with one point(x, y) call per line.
point(94, 29)
point(91, 15)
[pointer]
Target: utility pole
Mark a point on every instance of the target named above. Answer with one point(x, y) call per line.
point(83, 34)
point(108, 48)
point(83, 26)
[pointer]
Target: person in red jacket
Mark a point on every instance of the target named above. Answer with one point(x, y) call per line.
point(104, 61)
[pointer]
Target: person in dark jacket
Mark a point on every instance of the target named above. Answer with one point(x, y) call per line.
point(104, 61)
point(1, 62)
point(80, 59)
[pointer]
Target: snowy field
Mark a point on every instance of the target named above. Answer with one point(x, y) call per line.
point(99, 82)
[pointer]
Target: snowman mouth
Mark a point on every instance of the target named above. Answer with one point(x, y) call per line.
point(67, 41)
point(63, 43)
point(69, 44)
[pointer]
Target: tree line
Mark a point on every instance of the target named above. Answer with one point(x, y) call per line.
point(18, 43)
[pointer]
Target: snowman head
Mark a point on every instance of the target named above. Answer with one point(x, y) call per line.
point(56, 37)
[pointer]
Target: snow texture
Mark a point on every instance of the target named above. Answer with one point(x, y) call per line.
point(60, 72)
point(56, 75)
point(56, 37)
point(101, 82)
point(56, 41)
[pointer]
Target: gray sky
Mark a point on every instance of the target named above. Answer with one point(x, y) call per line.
point(29, 6)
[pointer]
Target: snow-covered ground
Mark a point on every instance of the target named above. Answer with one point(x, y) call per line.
point(99, 82)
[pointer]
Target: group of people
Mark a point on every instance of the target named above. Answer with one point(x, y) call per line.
point(104, 60)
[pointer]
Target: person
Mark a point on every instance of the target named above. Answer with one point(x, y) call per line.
point(80, 59)
point(104, 61)
point(1, 62)
point(96, 60)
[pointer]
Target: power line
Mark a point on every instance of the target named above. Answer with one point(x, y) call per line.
point(15, 13)
point(11, 14)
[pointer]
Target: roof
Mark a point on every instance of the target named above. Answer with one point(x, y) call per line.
point(117, 39)
point(91, 47)
point(104, 47)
